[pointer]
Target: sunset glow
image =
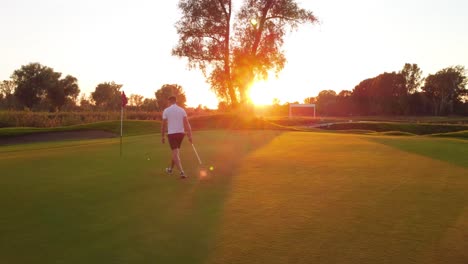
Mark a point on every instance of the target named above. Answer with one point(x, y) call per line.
point(260, 93)
point(283, 88)
point(131, 44)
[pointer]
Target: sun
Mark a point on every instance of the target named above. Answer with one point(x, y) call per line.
point(262, 93)
point(284, 89)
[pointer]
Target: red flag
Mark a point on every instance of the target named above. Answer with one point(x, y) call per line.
point(124, 99)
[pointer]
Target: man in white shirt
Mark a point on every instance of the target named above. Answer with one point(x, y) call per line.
point(176, 123)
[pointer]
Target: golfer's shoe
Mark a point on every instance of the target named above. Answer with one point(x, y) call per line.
point(182, 175)
point(168, 170)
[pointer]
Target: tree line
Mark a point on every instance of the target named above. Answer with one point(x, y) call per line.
point(235, 49)
point(405, 92)
point(232, 48)
point(37, 87)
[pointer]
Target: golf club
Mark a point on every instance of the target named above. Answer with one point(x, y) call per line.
point(196, 153)
point(203, 172)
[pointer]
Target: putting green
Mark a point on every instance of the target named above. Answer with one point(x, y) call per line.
point(272, 197)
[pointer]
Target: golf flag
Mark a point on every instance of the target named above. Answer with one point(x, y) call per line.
point(124, 103)
point(124, 99)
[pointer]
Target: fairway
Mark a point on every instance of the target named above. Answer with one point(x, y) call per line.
point(273, 197)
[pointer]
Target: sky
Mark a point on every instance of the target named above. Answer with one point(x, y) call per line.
point(130, 42)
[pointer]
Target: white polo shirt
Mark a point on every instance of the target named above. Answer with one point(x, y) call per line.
point(174, 115)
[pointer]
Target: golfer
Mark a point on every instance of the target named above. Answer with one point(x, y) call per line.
point(176, 123)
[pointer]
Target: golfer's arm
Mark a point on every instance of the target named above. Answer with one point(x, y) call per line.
point(188, 128)
point(163, 127)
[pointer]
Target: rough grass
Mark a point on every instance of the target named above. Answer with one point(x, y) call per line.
point(413, 128)
point(394, 133)
point(273, 197)
point(236, 122)
point(459, 134)
point(138, 127)
point(355, 131)
point(131, 128)
point(58, 119)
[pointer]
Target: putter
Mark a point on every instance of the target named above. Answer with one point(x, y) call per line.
point(196, 153)
point(203, 172)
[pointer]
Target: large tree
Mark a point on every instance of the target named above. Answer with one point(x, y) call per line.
point(326, 102)
point(36, 83)
point(168, 90)
point(107, 96)
point(65, 90)
point(344, 104)
point(412, 75)
point(388, 94)
point(32, 83)
point(381, 95)
point(445, 89)
point(361, 96)
point(233, 51)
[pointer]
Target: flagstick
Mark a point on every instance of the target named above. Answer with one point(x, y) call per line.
point(121, 129)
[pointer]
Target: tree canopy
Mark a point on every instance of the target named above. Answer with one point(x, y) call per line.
point(233, 50)
point(445, 88)
point(107, 96)
point(67, 89)
point(168, 90)
point(412, 75)
point(36, 83)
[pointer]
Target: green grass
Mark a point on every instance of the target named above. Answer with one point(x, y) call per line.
point(310, 198)
point(78, 202)
point(273, 197)
point(450, 151)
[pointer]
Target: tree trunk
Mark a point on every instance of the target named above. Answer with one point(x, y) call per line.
point(227, 52)
point(233, 97)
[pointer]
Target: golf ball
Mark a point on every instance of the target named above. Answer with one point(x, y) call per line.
point(211, 168)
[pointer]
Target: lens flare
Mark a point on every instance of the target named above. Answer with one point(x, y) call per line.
point(203, 173)
point(253, 21)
